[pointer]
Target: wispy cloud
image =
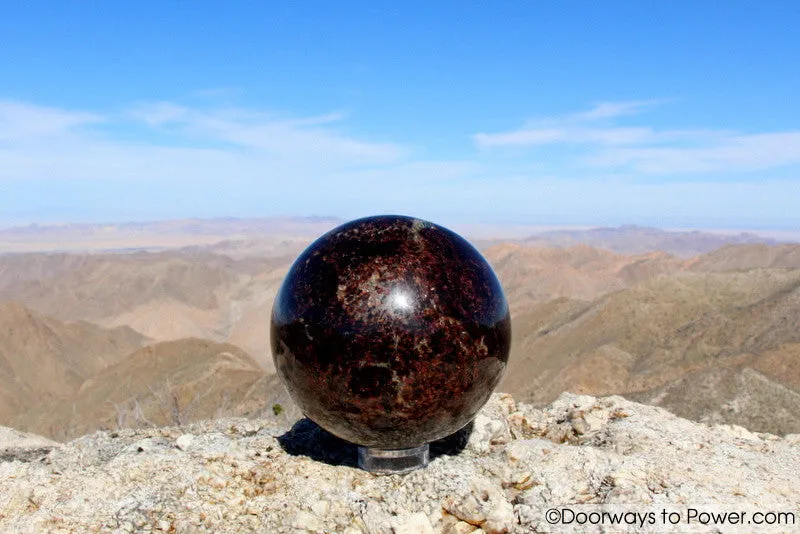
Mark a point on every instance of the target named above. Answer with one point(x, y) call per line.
point(577, 128)
point(605, 165)
point(314, 136)
point(21, 122)
point(180, 142)
point(198, 161)
point(609, 110)
point(644, 149)
point(159, 113)
point(739, 153)
point(571, 135)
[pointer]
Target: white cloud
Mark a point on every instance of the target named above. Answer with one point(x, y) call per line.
point(547, 136)
point(740, 153)
point(608, 110)
point(159, 113)
point(313, 137)
point(172, 158)
point(178, 142)
point(21, 122)
point(576, 128)
point(647, 150)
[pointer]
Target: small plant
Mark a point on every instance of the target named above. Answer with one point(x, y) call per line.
point(277, 409)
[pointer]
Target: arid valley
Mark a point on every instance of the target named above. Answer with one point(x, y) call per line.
point(142, 325)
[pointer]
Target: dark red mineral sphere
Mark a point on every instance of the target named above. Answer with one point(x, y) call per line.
point(390, 332)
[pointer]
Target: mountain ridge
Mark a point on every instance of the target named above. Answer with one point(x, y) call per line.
point(585, 319)
point(171, 382)
point(633, 239)
point(42, 358)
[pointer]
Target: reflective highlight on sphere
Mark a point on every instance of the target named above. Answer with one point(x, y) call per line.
point(390, 332)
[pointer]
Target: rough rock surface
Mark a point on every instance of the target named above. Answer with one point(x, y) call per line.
point(237, 475)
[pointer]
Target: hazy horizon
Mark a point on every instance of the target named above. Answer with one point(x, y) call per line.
point(128, 236)
point(484, 229)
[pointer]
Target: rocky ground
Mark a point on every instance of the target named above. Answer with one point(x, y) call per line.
point(504, 475)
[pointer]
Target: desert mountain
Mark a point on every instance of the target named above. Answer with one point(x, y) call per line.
point(651, 326)
point(755, 391)
point(165, 295)
point(96, 286)
point(746, 257)
point(533, 275)
point(270, 234)
point(167, 383)
point(176, 294)
point(719, 332)
point(43, 359)
point(214, 226)
point(631, 239)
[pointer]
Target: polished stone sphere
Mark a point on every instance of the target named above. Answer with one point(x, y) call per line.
point(390, 332)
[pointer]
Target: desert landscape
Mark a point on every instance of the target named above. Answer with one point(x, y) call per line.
point(167, 323)
point(629, 171)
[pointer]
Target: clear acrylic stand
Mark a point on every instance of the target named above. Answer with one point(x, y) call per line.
point(393, 461)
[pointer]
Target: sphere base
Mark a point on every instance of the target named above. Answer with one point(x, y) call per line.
point(393, 461)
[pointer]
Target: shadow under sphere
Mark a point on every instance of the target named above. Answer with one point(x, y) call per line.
point(390, 332)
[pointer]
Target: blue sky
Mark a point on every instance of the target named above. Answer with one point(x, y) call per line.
point(673, 114)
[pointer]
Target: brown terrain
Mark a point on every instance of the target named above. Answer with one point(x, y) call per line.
point(43, 359)
point(158, 336)
point(169, 383)
point(631, 239)
point(162, 295)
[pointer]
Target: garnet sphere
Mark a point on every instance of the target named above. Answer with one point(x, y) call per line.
point(390, 332)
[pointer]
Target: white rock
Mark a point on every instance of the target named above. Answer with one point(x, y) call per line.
point(487, 432)
point(307, 521)
point(14, 439)
point(417, 523)
point(184, 441)
point(485, 505)
point(320, 508)
point(460, 527)
point(616, 452)
point(377, 519)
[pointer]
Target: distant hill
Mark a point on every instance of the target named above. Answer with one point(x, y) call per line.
point(533, 275)
point(164, 295)
point(632, 239)
point(43, 359)
point(745, 257)
point(684, 341)
point(269, 232)
point(275, 236)
point(757, 391)
point(214, 226)
point(163, 384)
point(723, 326)
point(90, 286)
